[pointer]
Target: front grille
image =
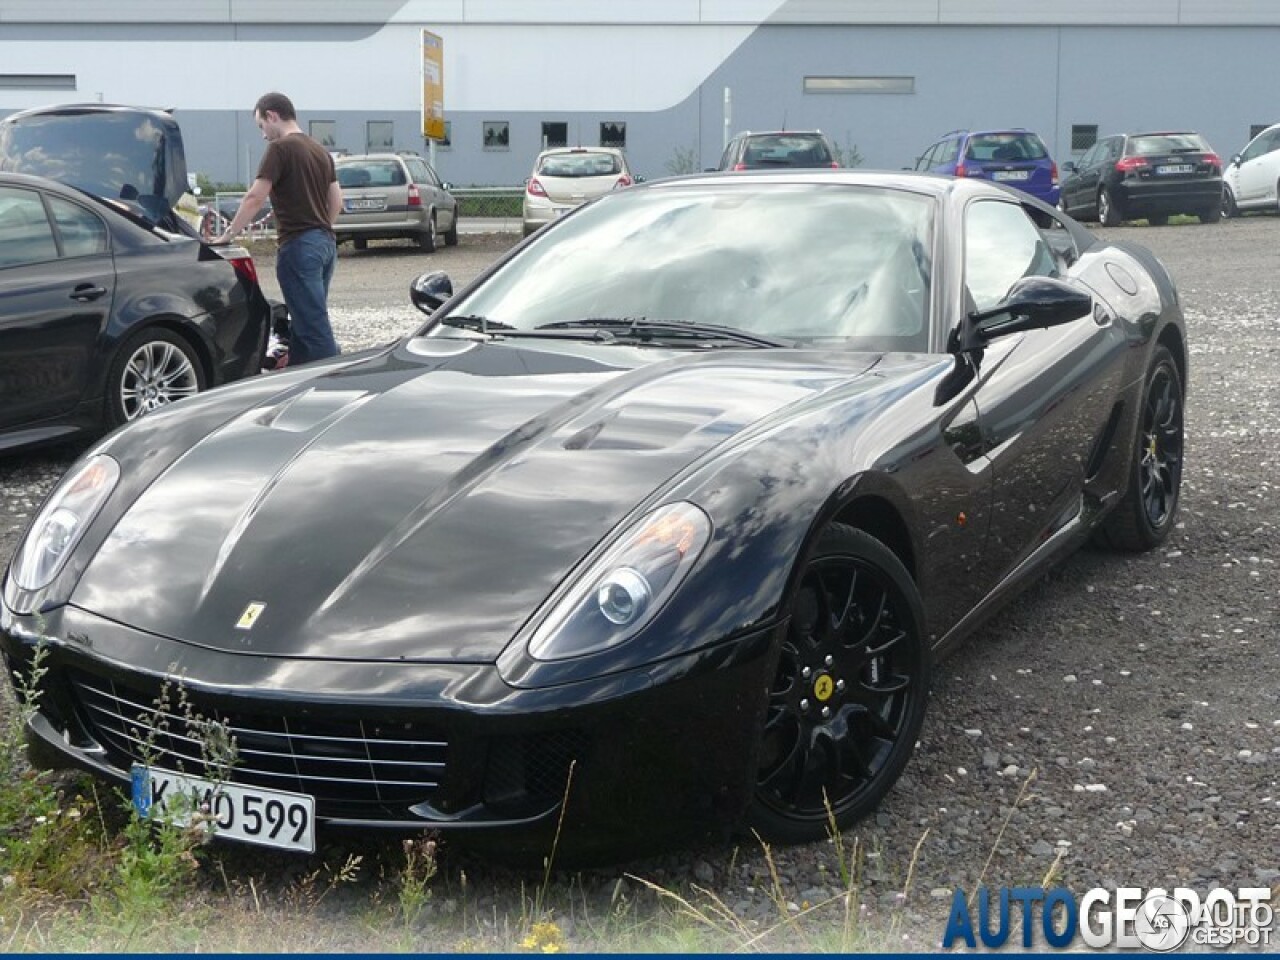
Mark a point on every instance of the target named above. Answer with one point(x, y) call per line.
point(363, 768)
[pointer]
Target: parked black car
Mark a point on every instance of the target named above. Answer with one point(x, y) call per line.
point(1150, 176)
point(779, 148)
point(664, 518)
point(110, 305)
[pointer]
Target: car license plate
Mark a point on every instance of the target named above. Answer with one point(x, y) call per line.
point(1010, 174)
point(1175, 168)
point(272, 818)
point(365, 203)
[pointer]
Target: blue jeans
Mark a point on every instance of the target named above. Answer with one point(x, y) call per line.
point(304, 267)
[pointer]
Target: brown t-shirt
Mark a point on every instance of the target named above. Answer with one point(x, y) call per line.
point(300, 171)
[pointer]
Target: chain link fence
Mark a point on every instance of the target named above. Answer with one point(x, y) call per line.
point(489, 201)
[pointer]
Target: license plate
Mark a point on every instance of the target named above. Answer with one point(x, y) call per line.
point(365, 203)
point(1010, 174)
point(1176, 168)
point(272, 818)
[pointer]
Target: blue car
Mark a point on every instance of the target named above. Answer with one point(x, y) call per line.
point(1015, 158)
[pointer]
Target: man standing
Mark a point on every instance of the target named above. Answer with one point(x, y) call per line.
point(298, 175)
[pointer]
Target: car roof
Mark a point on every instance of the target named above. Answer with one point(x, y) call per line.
point(780, 133)
point(554, 151)
point(909, 180)
point(376, 156)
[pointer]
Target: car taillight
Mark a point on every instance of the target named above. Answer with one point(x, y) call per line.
point(245, 269)
point(1213, 160)
point(834, 165)
point(960, 170)
point(1053, 173)
point(1131, 164)
point(623, 181)
point(739, 166)
point(415, 198)
point(535, 188)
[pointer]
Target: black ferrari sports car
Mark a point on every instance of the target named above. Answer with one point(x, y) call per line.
point(110, 304)
point(650, 533)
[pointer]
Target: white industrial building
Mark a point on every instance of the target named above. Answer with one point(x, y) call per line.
point(883, 77)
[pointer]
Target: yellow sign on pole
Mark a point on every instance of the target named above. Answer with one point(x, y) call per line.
point(432, 86)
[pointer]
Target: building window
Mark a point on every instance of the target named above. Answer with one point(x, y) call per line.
point(859, 84)
point(324, 132)
point(380, 136)
point(37, 81)
point(555, 133)
point(447, 142)
point(1083, 136)
point(1257, 128)
point(497, 135)
point(613, 134)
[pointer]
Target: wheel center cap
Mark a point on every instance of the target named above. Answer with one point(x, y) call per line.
point(824, 687)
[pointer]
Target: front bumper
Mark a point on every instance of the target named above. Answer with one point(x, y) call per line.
point(646, 757)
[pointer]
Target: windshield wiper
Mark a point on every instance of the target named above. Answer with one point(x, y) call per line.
point(642, 328)
point(472, 322)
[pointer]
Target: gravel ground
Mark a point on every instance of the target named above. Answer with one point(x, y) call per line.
point(1119, 724)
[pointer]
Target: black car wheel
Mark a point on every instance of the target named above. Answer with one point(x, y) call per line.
point(360, 243)
point(154, 368)
point(1158, 219)
point(427, 239)
point(1212, 215)
point(1229, 208)
point(849, 694)
point(1145, 514)
point(1108, 213)
point(451, 235)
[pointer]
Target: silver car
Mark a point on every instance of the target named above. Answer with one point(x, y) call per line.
point(392, 195)
point(566, 177)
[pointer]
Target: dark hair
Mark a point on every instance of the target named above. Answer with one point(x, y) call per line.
point(277, 102)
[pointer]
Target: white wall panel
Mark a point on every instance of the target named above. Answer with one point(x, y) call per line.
point(1235, 12)
point(857, 11)
point(1075, 13)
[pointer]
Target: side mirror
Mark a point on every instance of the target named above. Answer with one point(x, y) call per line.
point(1069, 166)
point(638, 179)
point(430, 290)
point(446, 185)
point(1032, 303)
point(1236, 159)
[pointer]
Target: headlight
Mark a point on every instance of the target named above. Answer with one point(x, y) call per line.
point(623, 590)
point(63, 521)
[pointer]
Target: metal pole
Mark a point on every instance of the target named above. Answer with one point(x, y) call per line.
point(728, 117)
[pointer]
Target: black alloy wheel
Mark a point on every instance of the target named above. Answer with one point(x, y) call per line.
point(1229, 208)
point(849, 695)
point(1145, 514)
point(1108, 213)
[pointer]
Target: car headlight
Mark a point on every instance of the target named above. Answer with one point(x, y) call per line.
point(60, 525)
point(622, 591)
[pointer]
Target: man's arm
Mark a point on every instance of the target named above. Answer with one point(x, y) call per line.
point(249, 207)
point(335, 201)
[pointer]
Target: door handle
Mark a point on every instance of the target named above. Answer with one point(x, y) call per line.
point(87, 292)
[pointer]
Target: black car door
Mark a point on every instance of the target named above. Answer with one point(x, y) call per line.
point(1044, 397)
point(56, 285)
point(1073, 193)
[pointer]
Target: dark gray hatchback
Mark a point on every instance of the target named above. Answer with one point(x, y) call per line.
point(1148, 176)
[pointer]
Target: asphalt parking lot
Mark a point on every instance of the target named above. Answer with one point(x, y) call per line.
point(1119, 724)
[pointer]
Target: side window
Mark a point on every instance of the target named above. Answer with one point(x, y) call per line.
point(926, 159)
point(948, 152)
point(25, 234)
point(420, 172)
point(726, 158)
point(1001, 246)
point(1115, 147)
point(82, 233)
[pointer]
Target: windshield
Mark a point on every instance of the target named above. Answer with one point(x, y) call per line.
point(838, 264)
point(1006, 146)
point(580, 165)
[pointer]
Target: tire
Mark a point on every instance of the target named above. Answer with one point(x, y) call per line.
point(1062, 205)
point(360, 243)
point(451, 235)
point(1212, 215)
point(849, 695)
point(1108, 213)
point(427, 239)
point(154, 368)
point(1147, 510)
point(1229, 208)
point(1158, 220)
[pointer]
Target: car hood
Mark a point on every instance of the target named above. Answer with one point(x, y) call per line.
point(112, 152)
point(419, 505)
